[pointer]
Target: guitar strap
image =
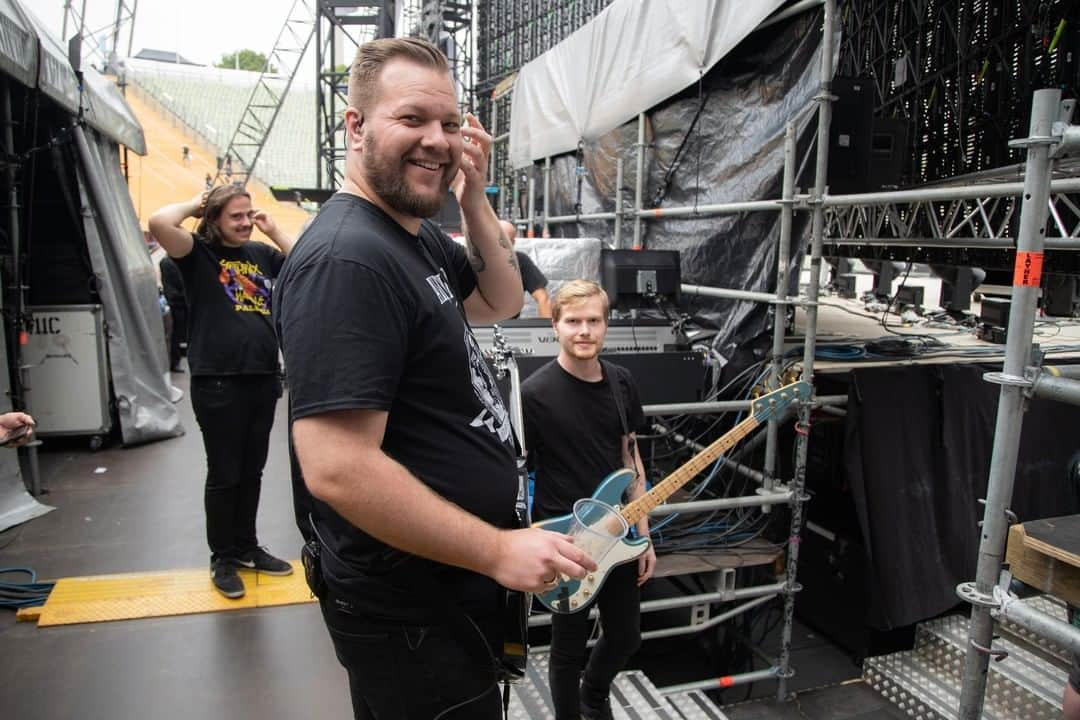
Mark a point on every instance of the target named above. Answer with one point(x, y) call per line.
point(609, 373)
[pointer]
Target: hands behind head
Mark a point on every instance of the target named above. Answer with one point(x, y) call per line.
point(200, 203)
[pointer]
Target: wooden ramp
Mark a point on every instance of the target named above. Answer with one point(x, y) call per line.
point(158, 594)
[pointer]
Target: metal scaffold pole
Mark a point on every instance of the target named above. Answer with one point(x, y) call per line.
point(783, 262)
point(1011, 402)
point(824, 99)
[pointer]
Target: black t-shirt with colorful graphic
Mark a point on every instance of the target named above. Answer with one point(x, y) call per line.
point(228, 293)
point(574, 433)
point(370, 317)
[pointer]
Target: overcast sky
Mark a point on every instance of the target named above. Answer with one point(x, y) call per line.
point(200, 30)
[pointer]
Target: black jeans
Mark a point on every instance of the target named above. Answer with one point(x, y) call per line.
point(408, 672)
point(235, 414)
point(620, 611)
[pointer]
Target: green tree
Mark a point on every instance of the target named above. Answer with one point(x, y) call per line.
point(244, 60)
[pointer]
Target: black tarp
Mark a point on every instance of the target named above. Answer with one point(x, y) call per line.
point(917, 459)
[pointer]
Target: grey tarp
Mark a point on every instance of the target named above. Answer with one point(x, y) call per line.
point(26, 45)
point(18, 44)
point(16, 505)
point(128, 290)
point(718, 142)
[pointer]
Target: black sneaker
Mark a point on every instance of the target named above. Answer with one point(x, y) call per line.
point(598, 711)
point(223, 575)
point(262, 561)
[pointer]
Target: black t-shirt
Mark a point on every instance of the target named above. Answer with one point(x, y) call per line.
point(228, 294)
point(367, 320)
point(531, 277)
point(574, 434)
point(172, 283)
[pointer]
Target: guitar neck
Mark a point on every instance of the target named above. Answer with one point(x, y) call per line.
point(641, 507)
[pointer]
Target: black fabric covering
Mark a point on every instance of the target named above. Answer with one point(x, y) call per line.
point(917, 457)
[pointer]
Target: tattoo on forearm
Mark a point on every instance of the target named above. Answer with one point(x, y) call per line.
point(475, 258)
point(504, 243)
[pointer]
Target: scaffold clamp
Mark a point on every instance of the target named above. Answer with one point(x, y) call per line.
point(1000, 378)
point(969, 592)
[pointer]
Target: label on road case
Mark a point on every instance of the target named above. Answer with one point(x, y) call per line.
point(1028, 271)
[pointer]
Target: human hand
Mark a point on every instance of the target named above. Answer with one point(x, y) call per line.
point(646, 564)
point(264, 222)
point(533, 559)
point(199, 204)
point(471, 180)
point(18, 429)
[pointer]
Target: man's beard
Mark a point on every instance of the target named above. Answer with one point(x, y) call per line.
point(391, 187)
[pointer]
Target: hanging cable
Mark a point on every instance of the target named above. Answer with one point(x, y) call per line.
point(665, 184)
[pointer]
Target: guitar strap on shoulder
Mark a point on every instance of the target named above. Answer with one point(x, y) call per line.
point(609, 372)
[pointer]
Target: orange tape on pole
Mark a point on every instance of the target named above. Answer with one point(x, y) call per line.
point(1028, 270)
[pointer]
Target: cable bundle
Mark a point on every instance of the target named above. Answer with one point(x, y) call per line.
point(15, 595)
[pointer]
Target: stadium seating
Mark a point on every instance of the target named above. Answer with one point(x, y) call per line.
point(211, 101)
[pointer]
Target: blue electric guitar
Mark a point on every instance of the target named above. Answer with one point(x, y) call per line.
point(571, 595)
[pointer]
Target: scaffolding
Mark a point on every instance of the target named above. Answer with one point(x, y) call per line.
point(958, 217)
point(268, 95)
point(1050, 134)
point(773, 490)
point(341, 26)
point(447, 24)
point(102, 45)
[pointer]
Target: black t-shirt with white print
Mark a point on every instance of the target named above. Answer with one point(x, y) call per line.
point(228, 293)
point(369, 320)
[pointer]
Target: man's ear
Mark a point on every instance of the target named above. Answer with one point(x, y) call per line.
point(354, 122)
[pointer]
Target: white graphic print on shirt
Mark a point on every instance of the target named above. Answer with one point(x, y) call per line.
point(494, 415)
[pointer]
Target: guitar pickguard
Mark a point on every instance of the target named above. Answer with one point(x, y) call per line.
point(572, 595)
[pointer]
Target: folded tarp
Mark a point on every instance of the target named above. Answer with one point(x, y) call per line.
point(627, 59)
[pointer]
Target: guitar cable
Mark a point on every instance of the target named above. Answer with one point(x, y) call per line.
point(494, 686)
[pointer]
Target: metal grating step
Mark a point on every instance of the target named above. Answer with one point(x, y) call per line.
point(925, 683)
point(1022, 667)
point(900, 680)
point(633, 697)
point(695, 705)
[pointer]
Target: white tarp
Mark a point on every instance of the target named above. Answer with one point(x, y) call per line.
point(630, 57)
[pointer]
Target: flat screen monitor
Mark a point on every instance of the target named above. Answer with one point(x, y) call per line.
point(640, 278)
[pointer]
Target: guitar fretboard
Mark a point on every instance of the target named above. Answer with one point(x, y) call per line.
point(641, 507)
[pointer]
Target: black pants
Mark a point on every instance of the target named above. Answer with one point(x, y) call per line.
point(178, 336)
point(619, 604)
point(407, 672)
point(235, 414)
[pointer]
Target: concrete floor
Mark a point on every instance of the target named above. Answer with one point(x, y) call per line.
point(144, 512)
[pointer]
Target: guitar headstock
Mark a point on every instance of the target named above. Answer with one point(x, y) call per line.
point(775, 403)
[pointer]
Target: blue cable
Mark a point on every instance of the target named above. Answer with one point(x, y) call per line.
point(15, 595)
